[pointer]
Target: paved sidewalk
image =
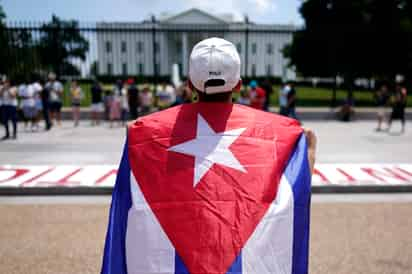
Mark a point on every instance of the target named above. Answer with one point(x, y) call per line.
point(338, 142)
point(305, 113)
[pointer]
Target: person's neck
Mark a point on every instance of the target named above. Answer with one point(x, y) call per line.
point(215, 98)
point(216, 101)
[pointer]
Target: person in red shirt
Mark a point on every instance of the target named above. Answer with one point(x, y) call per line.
point(257, 96)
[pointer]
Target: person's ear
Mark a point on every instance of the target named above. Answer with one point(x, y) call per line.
point(238, 86)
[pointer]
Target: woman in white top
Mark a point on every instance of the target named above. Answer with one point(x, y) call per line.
point(55, 89)
point(9, 102)
point(28, 104)
point(146, 100)
point(124, 104)
point(38, 107)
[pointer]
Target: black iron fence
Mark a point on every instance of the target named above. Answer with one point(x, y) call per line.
point(150, 50)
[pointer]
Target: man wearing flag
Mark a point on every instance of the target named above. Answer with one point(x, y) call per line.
point(212, 187)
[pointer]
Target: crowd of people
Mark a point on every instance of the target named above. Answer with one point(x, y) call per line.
point(34, 101)
point(125, 100)
point(37, 100)
point(258, 96)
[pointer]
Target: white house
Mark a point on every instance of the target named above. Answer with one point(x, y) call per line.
point(127, 48)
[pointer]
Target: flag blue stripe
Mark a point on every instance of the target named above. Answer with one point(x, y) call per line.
point(114, 258)
point(297, 173)
point(180, 267)
point(236, 267)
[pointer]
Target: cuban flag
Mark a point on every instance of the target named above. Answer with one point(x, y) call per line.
point(210, 188)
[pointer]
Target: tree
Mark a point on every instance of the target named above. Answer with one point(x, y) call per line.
point(21, 55)
point(3, 42)
point(60, 44)
point(359, 38)
point(17, 54)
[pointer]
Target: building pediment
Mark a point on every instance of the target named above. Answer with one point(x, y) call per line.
point(193, 16)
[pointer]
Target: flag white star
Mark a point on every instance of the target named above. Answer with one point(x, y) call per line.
point(209, 147)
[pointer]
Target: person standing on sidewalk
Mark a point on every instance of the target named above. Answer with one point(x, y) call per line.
point(124, 104)
point(146, 100)
point(283, 99)
point(132, 98)
point(257, 96)
point(267, 87)
point(115, 103)
point(212, 187)
point(76, 94)
point(9, 101)
point(37, 88)
point(28, 104)
point(398, 106)
point(97, 103)
point(45, 102)
point(382, 98)
point(165, 95)
point(56, 94)
point(291, 106)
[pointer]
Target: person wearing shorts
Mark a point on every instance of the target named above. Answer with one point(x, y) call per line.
point(115, 103)
point(76, 97)
point(38, 106)
point(97, 103)
point(55, 97)
point(28, 104)
point(398, 106)
point(9, 105)
point(382, 99)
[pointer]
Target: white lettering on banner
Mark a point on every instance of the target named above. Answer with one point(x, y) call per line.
point(105, 175)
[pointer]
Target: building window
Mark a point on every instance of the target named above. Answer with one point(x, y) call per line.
point(108, 47)
point(140, 68)
point(269, 70)
point(124, 69)
point(179, 48)
point(269, 49)
point(253, 70)
point(239, 48)
point(156, 47)
point(254, 48)
point(109, 68)
point(156, 68)
point(180, 69)
point(94, 69)
point(139, 47)
point(123, 47)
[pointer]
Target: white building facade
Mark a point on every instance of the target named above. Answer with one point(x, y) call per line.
point(128, 48)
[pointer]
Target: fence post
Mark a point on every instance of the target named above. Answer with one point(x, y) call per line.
point(333, 101)
point(246, 45)
point(154, 51)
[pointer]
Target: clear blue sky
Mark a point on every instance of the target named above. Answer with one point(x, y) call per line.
point(261, 11)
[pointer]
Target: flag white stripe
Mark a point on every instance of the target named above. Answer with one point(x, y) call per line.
point(148, 249)
point(270, 248)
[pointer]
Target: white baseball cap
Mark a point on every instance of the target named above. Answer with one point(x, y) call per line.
point(214, 59)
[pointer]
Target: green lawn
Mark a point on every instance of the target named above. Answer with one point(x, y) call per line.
point(307, 96)
point(319, 97)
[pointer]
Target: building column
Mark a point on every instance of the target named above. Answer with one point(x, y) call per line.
point(185, 61)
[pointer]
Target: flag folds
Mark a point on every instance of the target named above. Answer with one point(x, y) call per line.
point(210, 188)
